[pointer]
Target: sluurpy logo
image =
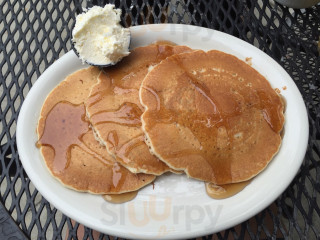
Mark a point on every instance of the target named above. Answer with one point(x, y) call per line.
point(160, 213)
point(182, 32)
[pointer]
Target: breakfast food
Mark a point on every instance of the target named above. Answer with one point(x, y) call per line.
point(99, 38)
point(114, 108)
point(69, 147)
point(163, 108)
point(212, 116)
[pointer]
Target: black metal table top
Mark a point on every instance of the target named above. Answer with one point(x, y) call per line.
point(35, 33)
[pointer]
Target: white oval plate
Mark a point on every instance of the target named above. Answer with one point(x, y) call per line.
point(177, 207)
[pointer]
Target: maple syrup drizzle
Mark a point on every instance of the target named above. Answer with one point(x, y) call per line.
point(164, 42)
point(226, 190)
point(65, 126)
point(113, 139)
point(116, 174)
point(206, 94)
point(271, 112)
point(114, 84)
point(121, 91)
point(124, 150)
point(218, 118)
point(97, 94)
point(95, 98)
point(128, 114)
point(218, 111)
point(120, 198)
point(155, 96)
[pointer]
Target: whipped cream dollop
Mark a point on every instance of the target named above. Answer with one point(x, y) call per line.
point(98, 36)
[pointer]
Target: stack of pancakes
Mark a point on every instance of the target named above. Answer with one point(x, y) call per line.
point(164, 108)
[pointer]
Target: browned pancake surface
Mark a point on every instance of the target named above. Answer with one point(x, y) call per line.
point(68, 145)
point(114, 108)
point(212, 116)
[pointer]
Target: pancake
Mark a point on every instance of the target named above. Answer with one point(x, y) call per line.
point(114, 108)
point(68, 145)
point(212, 116)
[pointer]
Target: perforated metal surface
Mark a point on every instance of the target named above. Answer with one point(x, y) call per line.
point(35, 33)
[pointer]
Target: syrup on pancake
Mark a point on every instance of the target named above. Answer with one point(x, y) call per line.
point(114, 108)
point(68, 145)
point(212, 116)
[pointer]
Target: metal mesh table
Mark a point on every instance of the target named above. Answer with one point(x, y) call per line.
point(35, 33)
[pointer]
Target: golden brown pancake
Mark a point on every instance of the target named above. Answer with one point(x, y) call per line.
point(114, 108)
point(68, 145)
point(211, 115)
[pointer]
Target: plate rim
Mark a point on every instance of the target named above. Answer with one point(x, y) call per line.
point(194, 233)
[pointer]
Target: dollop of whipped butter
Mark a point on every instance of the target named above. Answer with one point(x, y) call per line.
point(98, 36)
